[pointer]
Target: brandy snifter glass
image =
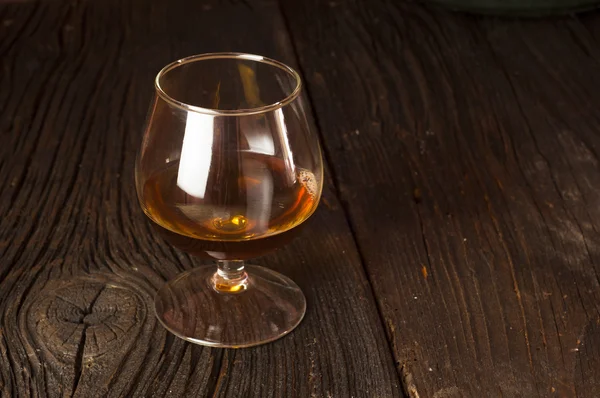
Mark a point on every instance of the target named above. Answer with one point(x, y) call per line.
point(229, 169)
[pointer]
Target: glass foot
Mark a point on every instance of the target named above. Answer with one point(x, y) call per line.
point(268, 307)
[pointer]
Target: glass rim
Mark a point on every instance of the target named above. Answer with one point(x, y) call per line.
point(228, 112)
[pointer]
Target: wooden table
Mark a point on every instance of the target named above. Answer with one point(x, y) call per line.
point(456, 252)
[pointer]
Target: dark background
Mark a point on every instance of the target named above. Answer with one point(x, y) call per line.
point(456, 250)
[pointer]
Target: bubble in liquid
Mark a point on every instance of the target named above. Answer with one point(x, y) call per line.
point(231, 224)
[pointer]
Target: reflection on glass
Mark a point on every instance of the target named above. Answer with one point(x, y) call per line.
point(196, 154)
point(229, 169)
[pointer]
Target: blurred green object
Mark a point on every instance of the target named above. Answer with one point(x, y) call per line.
point(519, 7)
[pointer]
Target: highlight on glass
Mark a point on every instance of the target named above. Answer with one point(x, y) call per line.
point(229, 169)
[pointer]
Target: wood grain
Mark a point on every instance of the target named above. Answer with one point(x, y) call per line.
point(79, 263)
point(465, 152)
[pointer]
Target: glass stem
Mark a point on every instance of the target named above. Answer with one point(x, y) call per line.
point(230, 277)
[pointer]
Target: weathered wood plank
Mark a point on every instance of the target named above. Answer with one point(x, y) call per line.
point(79, 263)
point(465, 153)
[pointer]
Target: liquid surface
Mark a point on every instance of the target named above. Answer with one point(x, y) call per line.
point(247, 208)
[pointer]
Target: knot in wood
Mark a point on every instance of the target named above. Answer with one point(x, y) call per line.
point(82, 319)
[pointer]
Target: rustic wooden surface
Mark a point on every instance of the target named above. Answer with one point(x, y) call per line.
point(455, 253)
point(465, 153)
point(79, 261)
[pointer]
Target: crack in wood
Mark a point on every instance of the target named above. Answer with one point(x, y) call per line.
point(79, 360)
point(78, 365)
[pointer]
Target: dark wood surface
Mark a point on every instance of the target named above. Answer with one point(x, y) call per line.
point(456, 251)
point(465, 154)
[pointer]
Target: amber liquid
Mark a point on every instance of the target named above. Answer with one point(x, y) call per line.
point(249, 207)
